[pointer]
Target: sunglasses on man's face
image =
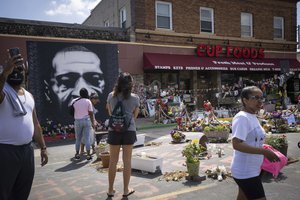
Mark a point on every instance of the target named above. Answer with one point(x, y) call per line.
point(258, 98)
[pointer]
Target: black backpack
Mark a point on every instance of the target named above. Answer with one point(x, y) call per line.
point(118, 121)
point(71, 109)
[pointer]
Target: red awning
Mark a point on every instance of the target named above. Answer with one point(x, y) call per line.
point(154, 61)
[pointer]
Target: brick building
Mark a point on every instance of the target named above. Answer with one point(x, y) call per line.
point(193, 47)
point(201, 46)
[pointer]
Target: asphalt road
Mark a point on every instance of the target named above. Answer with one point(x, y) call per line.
point(63, 178)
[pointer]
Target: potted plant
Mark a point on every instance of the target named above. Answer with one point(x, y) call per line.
point(278, 142)
point(177, 136)
point(192, 152)
point(220, 131)
point(101, 147)
point(105, 156)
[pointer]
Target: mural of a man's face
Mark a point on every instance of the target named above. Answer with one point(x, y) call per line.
point(74, 70)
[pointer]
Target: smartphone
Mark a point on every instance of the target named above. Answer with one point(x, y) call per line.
point(14, 51)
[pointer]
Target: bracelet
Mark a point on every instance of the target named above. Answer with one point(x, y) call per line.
point(44, 148)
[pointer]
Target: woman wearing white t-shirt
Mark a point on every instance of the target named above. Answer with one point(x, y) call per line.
point(247, 139)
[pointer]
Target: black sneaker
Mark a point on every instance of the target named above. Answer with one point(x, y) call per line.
point(77, 157)
point(89, 157)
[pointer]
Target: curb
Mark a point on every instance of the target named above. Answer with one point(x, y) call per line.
point(153, 126)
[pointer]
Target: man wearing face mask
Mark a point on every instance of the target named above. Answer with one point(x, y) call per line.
point(18, 125)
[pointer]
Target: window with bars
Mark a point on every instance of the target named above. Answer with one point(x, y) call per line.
point(163, 15)
point(207, 20)
point(278, 24)
point(246, 25)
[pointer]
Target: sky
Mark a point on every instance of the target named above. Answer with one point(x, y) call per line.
point(67, 11)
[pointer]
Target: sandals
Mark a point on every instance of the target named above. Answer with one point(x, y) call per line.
point(129, 193)
point(124, 195)
point(111, 195)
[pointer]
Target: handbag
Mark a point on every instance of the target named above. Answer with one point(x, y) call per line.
point(274, 167)
point(71, 109)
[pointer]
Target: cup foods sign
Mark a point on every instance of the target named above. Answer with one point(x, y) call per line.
point(204, 50)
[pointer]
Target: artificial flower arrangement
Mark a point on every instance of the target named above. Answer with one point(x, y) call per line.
point(218, 172)
point(193, 151)
point(177, 136)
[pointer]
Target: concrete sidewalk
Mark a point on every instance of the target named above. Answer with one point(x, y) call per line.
point(147, 123)
point(65, 179)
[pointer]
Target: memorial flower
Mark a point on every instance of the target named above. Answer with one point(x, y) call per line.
point(192, 151)
point(277, 141)
point(177, 135)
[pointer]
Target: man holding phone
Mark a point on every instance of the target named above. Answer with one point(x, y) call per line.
point(18, 125)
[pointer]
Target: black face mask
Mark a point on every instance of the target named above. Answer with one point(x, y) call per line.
point(15, 78)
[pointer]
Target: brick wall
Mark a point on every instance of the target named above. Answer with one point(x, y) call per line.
point(226, 22)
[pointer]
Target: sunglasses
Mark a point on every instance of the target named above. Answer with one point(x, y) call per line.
point(258, 98)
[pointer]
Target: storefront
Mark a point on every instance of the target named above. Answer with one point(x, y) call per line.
point(217, 72)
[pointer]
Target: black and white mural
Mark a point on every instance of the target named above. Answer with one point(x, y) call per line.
point(58, 70)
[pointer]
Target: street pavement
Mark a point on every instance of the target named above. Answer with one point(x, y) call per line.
point(63, 178)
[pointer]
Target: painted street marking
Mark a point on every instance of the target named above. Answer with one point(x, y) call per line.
point(165, 196)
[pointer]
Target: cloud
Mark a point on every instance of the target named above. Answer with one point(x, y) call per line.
point(74, 8)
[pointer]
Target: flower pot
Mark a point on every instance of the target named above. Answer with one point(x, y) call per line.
point(148, 163)
point(217, 134)
point(105, 159)
point(193, 168)
point(177, 140)
point(101, 149)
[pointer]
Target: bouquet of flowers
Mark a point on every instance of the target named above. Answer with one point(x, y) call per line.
point(193, 151)
point(177, 136)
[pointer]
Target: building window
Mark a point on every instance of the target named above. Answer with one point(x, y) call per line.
point(123, 17)
point(246, 25)
point(207, 20)
point(163, 15)
point(106, 23)
point(278, 25)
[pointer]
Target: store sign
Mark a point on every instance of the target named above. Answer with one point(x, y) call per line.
point(204, 50)
point(154, 61)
